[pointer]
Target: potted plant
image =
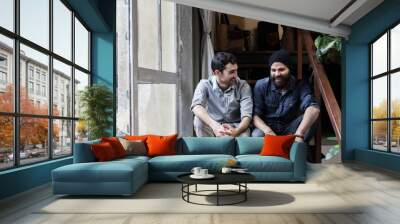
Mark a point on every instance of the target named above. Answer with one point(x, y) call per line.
point(96, 102)
point(329, 48)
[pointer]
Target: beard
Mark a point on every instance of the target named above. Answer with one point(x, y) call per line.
point(280, 81)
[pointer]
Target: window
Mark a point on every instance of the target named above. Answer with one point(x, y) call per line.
point(38, 89)
point(62, 29)
point(6, 73)
point(3, 78)
point(62, 74)
point(3, 73)
point(153, 53)
point(30, 87)
point(30, 72)
point(7, 14)
point(44, 91)
point(385, 96)
point(34, 21)
point(3, 61)
point(53, 125)
point(81, 45)
point(37, 74)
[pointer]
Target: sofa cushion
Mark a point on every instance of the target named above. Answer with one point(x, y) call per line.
point(103, 152)
point(112, 171)
point(249, 145)
point(206, 145)
point(161, 145)
point(134, 147)
point(185, 163)
point(116, 145)
point(277, 145)
point(83, 152)
point(257, 163)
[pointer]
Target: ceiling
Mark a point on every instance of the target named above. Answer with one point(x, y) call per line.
point(333, 17)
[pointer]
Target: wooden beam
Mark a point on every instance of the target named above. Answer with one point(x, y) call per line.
point(299, 55)
point(324, 86)
point(318, 136)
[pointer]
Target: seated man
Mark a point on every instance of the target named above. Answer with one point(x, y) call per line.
point(283, 105)
point(223, 104)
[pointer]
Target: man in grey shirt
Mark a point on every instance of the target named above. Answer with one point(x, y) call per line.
point(223, 104)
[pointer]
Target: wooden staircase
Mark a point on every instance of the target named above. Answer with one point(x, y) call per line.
point(322, 87)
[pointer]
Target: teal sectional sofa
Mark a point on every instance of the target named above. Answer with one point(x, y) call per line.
point(125, 176)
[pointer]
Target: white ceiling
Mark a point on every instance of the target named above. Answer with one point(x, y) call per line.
point(321, 9)
point(314, 15)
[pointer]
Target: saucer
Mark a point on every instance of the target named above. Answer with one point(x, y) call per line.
point(208, 176)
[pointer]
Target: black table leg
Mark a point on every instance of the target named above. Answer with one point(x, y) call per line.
point(245, 193)
point(217, 194)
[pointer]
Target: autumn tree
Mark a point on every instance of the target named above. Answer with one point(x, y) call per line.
point(380, 127)
point(33, 131)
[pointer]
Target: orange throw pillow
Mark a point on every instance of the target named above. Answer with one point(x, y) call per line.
point(277, 145)
point(136, 137)
point(116, 145)
point(161, 145)
point(103, 152)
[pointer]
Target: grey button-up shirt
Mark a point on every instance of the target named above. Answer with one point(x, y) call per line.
point(229, 106)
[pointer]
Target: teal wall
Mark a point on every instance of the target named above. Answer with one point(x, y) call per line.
point(24, 178)
point(103, 63)
point(355, 74)
point(99, 16)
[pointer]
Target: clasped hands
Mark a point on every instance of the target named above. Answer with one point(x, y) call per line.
point(225, 130)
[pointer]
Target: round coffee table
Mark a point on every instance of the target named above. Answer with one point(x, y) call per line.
point(238, 179)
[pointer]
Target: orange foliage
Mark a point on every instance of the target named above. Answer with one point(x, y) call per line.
point(33, 130)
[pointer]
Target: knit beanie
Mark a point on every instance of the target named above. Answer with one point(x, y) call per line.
point(281, 56)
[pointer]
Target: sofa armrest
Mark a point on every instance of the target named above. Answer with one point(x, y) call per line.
point(298, 154)
point(83, 152)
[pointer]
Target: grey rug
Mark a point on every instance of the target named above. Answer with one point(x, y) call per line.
point(166, 198)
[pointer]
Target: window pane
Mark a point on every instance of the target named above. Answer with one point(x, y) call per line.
point(6, 142)
point(35, 21)
point(62, 29)
point(395, 47)
point(168, 34)
point(148, 34)
point(62, 89)
point(6, 74)
point(395, 136)
point(34, 72)
point(81, 81)
point(379, 97)
point(7, 14)
point(379, 135)
point(62, 141)
point(379, 56)
point(81, 131)
point(395, 95)
point(33, 139)
point(157, 110)
point(81, 45)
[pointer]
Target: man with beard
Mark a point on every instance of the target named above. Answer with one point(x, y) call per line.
point(222, 104)
point(283, 105)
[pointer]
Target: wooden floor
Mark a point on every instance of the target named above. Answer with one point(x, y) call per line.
point(378, 189)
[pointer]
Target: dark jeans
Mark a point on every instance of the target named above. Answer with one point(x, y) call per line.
point(289, 129)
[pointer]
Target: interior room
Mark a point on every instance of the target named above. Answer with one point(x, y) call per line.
point(199, 111)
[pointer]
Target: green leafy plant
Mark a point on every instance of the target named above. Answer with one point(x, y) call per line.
point(96, 102)
point(329, 48)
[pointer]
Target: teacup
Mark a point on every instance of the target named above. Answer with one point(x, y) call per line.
point(196, 170)
point(203, 172)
